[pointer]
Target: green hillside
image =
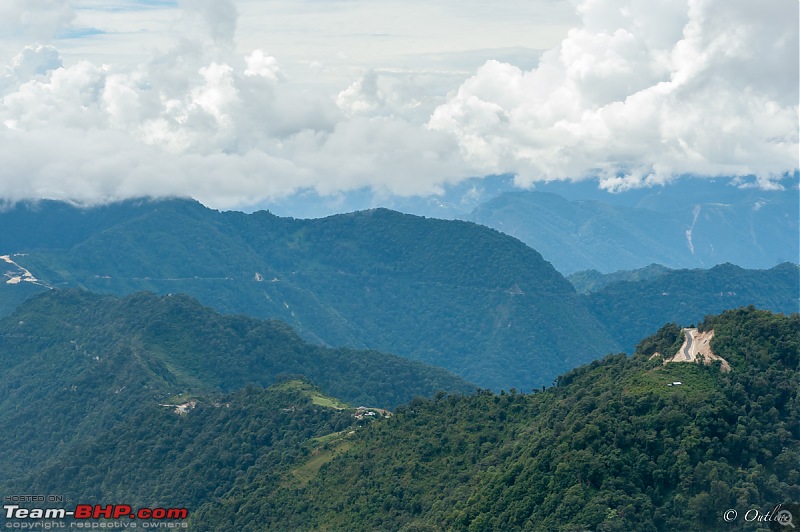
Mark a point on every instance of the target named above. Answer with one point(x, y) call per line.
point(154, 456)
point(611, 447)
point(76, 364)
point(464, 297)
point(124, 401)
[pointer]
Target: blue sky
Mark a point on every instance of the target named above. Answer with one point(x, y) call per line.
point(238, 102)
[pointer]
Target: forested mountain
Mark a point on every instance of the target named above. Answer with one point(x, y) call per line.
point(79, 364)
point(152, 455)
point(674, 226)
point(451, 293)
point(612, 447)
point(632, 308)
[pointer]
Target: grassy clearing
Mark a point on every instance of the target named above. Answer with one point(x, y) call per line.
point(319, 457)
point(695, 381)
point(330, 402)
point(317, 397)
point(180, 399)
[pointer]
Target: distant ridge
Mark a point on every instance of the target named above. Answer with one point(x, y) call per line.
point(686, 226)
point(629, 308)
point(450, 293)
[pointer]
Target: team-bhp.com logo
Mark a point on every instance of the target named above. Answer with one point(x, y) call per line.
point(97, 511)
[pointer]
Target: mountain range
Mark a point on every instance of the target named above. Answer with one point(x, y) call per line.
point(757, 229)
point(690, 222)
point(631, 308)
point(450, 293)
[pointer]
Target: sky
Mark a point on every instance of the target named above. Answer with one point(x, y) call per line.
point(238, 102)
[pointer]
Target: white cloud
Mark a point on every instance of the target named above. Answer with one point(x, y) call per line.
point(38, 19)
point(227, 136)
point(641, 92)
point(637, 93)
point(35, 61)
point(363, 96)
point(260, 64)
point(219, 17)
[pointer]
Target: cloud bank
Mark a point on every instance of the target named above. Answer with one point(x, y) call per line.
point(638, 93)
point(642, 92)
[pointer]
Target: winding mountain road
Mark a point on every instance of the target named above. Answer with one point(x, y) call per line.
point(687, 350)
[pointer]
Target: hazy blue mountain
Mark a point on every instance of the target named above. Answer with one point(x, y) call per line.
point(458, 200)
point(450, 293)
point(583, 235)
point(455, 201)
point(749, 227)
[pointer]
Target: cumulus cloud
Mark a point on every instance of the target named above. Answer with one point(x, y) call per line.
point(363, 96)
point(34, 61)
point(229, 136)
point(640, 93)
point(260, 64)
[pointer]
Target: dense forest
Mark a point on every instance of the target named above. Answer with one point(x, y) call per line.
point(159, 401)
point(454, 294)
point(93, 360)
point(450, 293)
point(611, 447)
point(157, 454)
